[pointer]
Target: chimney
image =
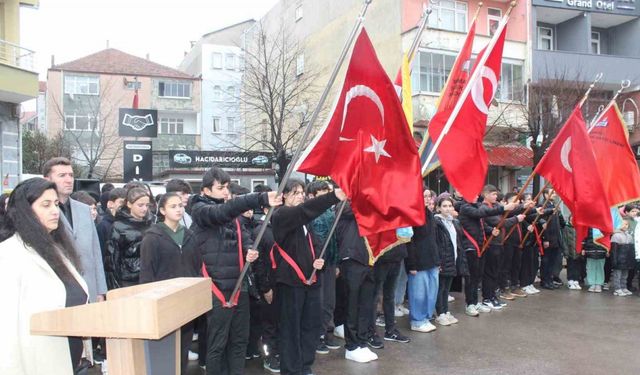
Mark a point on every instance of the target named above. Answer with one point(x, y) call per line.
point(147, 55)
point(53, 60)
point(107, 43)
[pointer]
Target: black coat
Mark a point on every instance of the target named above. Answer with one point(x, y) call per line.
point(288, 232)
point(471, 217)
point(423, 248)
point(123, 248)
point(592, 250)
point(104, 231)
point(350, 244)
point(161, 258)
point(555, 223)
point(216, 231)
point(262, 268)
point(623, 255)
point(450, 265)
point(493, 220)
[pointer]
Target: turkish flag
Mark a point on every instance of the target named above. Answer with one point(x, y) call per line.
point(134, 105)
point(461, 152)
point(615, 159)
point(367, 148)
point(570, 165)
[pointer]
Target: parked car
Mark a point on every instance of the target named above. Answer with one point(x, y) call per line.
point(182, 158)
point(260, 160)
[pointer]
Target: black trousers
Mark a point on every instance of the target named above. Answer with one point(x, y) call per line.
point(471, 282)
point(515, 267)
point(300, 324)
point(549, 260)
point(340, 313)
point(186, 337)
point(255, 326)
point(442, 300)
point(607, 269)
point(227, 337)
point(527, 273)
point(576, 269)
point(506, 265)
point(201, 328)
point(360, 284)
point(491, 270)
point(386, 276)
point(269, 321)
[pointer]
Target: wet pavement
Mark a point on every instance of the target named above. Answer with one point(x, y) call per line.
point(555, 332)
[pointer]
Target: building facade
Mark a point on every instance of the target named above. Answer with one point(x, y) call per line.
point(85, 95)
point(18, 83)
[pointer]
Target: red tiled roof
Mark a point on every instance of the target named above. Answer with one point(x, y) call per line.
point(113, 61)
point(510, 156)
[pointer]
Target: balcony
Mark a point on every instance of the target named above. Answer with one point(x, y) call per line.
point(18, 78)
point(166, 142)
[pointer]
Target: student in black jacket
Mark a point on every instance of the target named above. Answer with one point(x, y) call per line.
point(552, 242)
point(224, 247)
point(299, 304)
point(357, 273)
point(168, 250)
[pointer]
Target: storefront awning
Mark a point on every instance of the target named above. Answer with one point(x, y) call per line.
point(510, 156)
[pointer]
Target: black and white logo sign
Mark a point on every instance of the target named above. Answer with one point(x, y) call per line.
point(138, 123)
point(224, 159)
point(138, 161)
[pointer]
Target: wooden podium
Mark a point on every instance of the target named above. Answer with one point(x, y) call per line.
point(141, 323)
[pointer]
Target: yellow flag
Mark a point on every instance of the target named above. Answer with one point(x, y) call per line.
point(407, 104)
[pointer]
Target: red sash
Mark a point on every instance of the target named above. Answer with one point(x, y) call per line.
point(214, 289)
point(287, 258)
point(473, 240)
point(540, 247)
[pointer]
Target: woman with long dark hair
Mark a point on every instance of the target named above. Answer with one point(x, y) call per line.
point(39, 271)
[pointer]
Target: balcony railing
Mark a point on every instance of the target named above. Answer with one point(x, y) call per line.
point(16, 56)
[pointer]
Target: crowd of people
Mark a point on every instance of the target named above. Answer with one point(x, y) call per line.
point(62, 249)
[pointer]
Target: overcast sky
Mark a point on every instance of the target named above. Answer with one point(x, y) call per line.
point(70, 29)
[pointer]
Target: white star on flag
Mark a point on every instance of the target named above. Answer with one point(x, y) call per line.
point(377, 147)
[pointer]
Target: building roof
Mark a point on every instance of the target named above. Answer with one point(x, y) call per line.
point(113, 61)
point(250, 21)
point(510, 156)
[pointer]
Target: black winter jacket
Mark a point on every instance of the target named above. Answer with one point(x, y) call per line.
point(162, 259)
point(350, 244)
point(215, 225)
point(623, 253)
point(289, 234)
point(104, 232)
point(493, 220)
point(262, 267)
point(591, 250)
point(123, 248)
point(450, 265)
point(471, 217)
point(423, 249)
point(555, 223)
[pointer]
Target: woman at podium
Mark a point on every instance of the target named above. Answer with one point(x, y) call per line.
point(39, 271)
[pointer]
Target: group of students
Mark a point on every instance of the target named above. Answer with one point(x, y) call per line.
point(292, 304)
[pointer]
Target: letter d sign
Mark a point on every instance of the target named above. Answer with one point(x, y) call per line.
point(137, 158)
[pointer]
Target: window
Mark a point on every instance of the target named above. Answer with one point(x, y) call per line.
point(449, 15)
point(231, 94)
point(216, 60)
point(511, 85)
point(215, 124)
point(82, 85)
point(80, 122)
point(595, 42)
point(217, 93)
point(241, 63)
point(545, 38)
point(298, 13)
point(235, 181)
point(300, 65)
point(434, 69)
point(231, 125)
point(171, 126)
point(493, 16)
point(134, 85)
point(230, 62)
point(174, 89)
point(255, 182)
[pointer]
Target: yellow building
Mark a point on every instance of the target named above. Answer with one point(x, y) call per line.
point(18, 83)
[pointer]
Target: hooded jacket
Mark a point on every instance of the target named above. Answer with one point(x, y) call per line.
point(422, 251)
point(471, 217)
point(161, 258)
point(123, 248)
point(453, 262)
point(350, 244)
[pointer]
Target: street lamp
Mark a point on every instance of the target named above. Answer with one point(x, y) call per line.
point(630, 117)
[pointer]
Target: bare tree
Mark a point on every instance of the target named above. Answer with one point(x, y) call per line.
point(88, 127)
point(277, 95)
point(37, 148)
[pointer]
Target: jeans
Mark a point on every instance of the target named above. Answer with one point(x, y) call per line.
point(423, 292)
point(619, 278)
point(595, 271)
point(442, 301)
point(401, 285)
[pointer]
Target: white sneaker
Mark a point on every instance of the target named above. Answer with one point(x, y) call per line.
point(357, 355)
point(442, 320)
point(451, 298)
point(452, 319)
point(471, 310)
point(425, 327)
point(397, 312)
point(598, 289)
point(592, 288)
point(482, 308)
point(195, 337)
point(404, 310)
point(604, 286)
point(193, 356)
point(627, 291)
point(339, 331)
point(535, 290)
point(619, 293)
point(372, 355)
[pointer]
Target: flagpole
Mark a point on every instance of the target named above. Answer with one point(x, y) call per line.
point(535, 199)
point(504, 216)
point(416, 41)
point(305, 136)
point(535, 221)
point(470, 83)
point(623, 85)
point(326, 241)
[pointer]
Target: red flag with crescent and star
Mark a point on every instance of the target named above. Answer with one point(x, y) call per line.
point(570, 165)
point(461, 153)
point(367, 149)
